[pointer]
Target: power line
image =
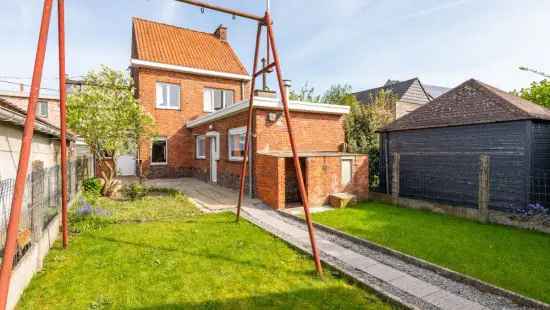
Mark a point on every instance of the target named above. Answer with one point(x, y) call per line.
point(27, 85)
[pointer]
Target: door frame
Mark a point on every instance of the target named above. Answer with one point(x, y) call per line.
point(214, 145)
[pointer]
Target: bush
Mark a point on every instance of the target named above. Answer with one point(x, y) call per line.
point(92, 186)
point(135, 190)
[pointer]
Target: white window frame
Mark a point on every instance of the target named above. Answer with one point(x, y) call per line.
point(42, 103)
point(165, 151)
point(350, 160)
point(208, 99)
point(158, 96)
point(197, 141)
point(232, 132)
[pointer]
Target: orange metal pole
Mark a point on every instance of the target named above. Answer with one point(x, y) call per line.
point(10, 245)
point(63, 109)
point(248, 141)
point(295, 157)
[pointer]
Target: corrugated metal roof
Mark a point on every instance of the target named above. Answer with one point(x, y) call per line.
point(472, 102)
point(173, 45)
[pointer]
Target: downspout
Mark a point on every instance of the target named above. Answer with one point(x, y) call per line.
point(251, 158)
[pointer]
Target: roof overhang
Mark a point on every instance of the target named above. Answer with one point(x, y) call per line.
point(17, 118)
point(270, 104)
point(175, 68)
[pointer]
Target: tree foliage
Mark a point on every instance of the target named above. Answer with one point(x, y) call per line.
point(306, 93)
point(361, 125)
point(538, 92)
point(108, 117)
point(337, 94)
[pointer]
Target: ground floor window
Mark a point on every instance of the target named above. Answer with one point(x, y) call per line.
point(200, 147)
point(159, 151)
point(235, 141)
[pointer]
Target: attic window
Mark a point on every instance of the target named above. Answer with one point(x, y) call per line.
point(42, 108)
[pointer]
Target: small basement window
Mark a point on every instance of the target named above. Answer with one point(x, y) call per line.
point(235, 141)
point(200, 147)
point(217, 99)
point(346, 171)
point(167, 96)
point(159, 150)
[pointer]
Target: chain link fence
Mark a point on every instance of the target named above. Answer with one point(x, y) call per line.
point(41, 199)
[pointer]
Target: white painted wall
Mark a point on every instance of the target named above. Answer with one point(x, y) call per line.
point(44, 148)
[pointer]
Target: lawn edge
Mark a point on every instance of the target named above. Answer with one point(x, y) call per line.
point(454, 275)
point(371, 288)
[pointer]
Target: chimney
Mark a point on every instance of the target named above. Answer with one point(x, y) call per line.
point(221, 33)
point(288, 85)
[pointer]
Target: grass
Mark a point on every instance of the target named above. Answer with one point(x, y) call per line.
point(515, 259)
point(161, 253)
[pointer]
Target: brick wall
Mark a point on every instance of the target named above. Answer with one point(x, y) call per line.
point(171, 123)
point(312, 132)
point(270, 180)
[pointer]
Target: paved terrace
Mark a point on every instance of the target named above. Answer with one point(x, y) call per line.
point(413, 286)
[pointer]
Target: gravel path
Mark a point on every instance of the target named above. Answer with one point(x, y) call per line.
point(410, 285)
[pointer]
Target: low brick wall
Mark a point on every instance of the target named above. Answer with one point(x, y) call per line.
point(270, 180)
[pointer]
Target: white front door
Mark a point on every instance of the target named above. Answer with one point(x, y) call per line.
point(214, 159)
point(126, 165)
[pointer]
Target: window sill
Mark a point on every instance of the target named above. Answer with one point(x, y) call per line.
point(168, 108)
point(200, 158)
point(159, 164)
point(236, 159)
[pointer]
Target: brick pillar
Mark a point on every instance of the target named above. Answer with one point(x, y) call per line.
point(395, 177)
point(37, 199)
point(484, 188)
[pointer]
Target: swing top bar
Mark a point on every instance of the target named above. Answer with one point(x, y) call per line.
point(223, 10)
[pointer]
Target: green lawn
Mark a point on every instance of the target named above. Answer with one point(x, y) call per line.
point(161, 253)
point(514, 259)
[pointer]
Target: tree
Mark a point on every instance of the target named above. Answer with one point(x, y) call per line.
point(337, 94)
point(361, 125)
point(110, 120)
point(539, 93)
point(306, 93)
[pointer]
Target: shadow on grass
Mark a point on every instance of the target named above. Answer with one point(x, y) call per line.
point(324, 298)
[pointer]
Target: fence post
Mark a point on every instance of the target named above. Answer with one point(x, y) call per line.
point(37, 200)
point(395, 177)
point(484, 187)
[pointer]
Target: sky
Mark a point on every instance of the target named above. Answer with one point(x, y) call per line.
point(322, 42)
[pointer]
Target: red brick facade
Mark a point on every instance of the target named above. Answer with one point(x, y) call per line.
point(171, 123)
point(274, 177)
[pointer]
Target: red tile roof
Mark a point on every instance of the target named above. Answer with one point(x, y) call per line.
point(173, 45)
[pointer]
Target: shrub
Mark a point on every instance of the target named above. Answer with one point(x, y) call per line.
point(92, 186)
point(135, 190)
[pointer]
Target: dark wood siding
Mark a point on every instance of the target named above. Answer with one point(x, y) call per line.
point(442, 164)
point(540, 175)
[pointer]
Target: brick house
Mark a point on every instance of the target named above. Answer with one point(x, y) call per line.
point(195, 87)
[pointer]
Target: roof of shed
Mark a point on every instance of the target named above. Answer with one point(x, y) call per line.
point(472, 102)
point(395, 87)
point(13, 114)
point(168, 44)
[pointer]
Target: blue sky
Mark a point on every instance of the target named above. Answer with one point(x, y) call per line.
point(323, 42)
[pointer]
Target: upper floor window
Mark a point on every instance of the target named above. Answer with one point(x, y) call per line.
point(217, 99)
point(168, 96)
point(42, 108)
